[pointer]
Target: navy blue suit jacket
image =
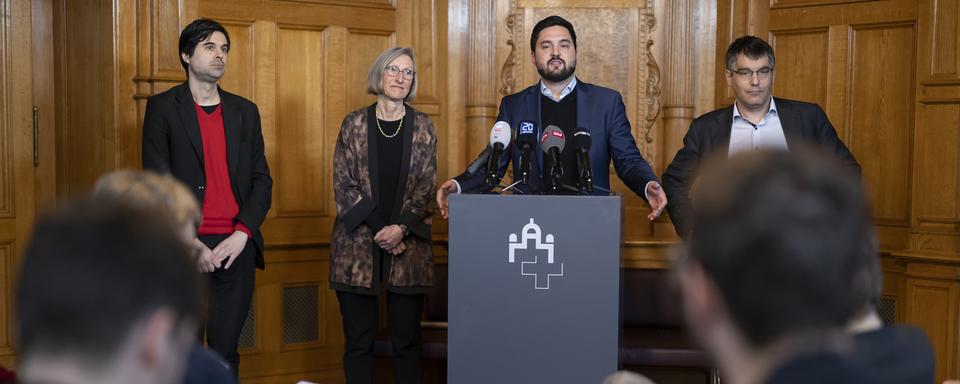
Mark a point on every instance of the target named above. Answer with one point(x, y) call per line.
point(601, 112)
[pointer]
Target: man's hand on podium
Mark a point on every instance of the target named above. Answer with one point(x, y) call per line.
point(448, 187)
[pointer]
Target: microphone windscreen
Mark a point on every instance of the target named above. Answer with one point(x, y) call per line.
point(526, 135)
point(581, 139)
point(500, 133)
point(552, 138)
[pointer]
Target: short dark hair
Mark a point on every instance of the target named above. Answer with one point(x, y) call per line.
point(551, 21)
point(784, 236)
point(197, 31)
point(749, 46)
point(92, 270)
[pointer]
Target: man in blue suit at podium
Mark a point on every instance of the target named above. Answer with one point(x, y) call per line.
point(559, 99)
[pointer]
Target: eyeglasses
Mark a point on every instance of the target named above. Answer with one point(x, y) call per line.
point(394, 70)
point(762, 73)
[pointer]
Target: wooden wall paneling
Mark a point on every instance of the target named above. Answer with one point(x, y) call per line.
point(939, 42)
point(458, 135)
point(128, 127)
point(678, 90)
point(336, 107)
point(937, 177)
point(881, 116)
point(482, 100)
point(167, 24)
point(422, 25)
point(705, 55)
point(6, 301)
point(417, 26)
point(239, 77)
point(933, 297)
point(365, 46)
point(851, 13)
point(17, 199)
point(775, 4)
point(801, 68)
point(43, 87)
point(300, 188)
point(367, 16)
point(736, 18)
point(85, 134)
point(272, 357)
point(264, 77)
point(938, 136)
point(894, 284)
point(838, 78)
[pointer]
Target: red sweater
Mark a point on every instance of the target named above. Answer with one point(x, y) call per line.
point(219, 212)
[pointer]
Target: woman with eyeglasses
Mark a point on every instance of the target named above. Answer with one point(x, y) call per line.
point(384, 178)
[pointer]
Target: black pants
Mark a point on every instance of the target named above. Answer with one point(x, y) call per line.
point(360, 326)
point(231, 291)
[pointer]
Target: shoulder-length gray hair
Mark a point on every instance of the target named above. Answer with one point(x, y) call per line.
point(375, 76)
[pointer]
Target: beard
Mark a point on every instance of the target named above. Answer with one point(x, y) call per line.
point(558, 75)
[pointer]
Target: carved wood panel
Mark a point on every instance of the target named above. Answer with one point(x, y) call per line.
point(614, 42)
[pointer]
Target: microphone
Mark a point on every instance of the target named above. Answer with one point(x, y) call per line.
point(526, 140)
point(552, 142)
point(581, 142)
point(499, 139)
point(480, 161)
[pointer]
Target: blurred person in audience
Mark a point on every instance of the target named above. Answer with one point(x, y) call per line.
point(107, 293)
point(766, 274)
point(165, 194)
point(385, 172)
point(899, 353)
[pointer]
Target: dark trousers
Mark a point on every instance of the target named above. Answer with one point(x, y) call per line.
point(360, 326)
point(231, 291)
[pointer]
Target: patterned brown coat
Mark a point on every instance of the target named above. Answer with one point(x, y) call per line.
point(352, 245)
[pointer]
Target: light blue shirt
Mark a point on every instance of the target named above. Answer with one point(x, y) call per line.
point(566, 90)
point(766, 135)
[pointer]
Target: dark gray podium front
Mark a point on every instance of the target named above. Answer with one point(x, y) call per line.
point(534, 289)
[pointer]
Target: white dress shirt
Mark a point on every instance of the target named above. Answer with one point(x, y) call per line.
point(766, 135)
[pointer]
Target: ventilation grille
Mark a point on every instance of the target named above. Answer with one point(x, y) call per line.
point(300, 314)
point(247, 339)
point(887, 310)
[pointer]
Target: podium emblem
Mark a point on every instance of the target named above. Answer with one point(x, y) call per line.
point(535, 252)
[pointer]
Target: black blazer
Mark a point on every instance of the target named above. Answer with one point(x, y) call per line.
point(172, 144)
point(710, 133)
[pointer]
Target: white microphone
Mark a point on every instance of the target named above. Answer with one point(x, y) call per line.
point(500, 136)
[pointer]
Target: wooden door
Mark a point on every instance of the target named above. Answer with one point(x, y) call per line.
point(25, 83)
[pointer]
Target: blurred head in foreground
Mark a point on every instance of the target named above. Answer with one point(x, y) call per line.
point(778, 241)
point(106, 294)
point(148, 189)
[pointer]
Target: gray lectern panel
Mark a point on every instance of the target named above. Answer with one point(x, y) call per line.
point(534, 289)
